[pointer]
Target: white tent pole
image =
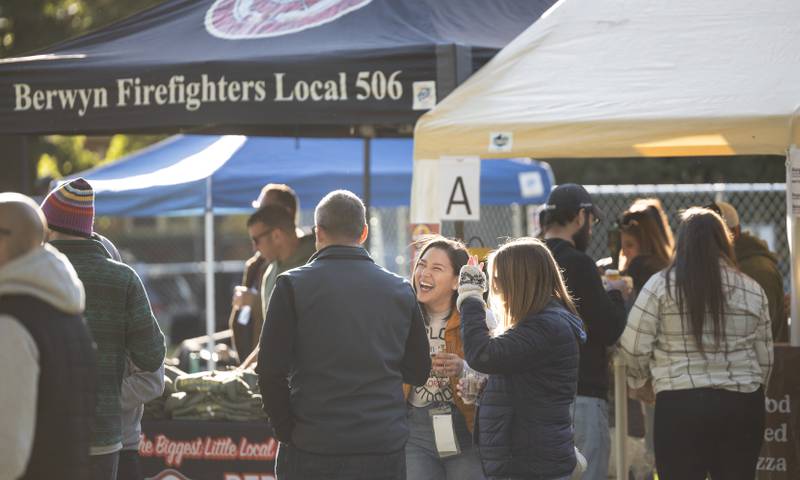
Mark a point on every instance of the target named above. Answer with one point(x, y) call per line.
point(793, 232)
point(209, 244)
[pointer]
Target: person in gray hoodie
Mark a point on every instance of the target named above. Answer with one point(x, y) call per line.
point(138, 388)
point(48, 396)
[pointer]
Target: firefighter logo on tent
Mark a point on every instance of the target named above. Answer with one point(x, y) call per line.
point(245, 19)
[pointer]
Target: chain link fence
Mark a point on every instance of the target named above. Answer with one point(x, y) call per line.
point(168, 252)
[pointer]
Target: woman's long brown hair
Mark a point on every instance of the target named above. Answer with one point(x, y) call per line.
point(524, 279)
point(703, 241)
point(646, 221)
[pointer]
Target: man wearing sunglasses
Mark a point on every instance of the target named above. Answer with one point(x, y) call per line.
point(273, 234)
point(246, 316)
point(570, 215)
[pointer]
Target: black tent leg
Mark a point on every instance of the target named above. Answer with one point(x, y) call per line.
point(367, 182)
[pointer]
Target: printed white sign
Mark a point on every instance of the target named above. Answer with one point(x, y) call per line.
point(794, 177)
point(459, 188)
point(501, 141)
point(530, 184)
point(424, 95)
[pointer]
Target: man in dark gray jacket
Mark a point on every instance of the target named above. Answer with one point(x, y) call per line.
point(340, 338)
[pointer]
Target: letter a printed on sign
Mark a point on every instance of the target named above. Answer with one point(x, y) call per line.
point(459, 193)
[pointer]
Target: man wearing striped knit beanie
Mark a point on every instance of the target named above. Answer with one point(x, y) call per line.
point(117, 312)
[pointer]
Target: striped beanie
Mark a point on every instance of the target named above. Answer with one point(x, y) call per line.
point(70, 208)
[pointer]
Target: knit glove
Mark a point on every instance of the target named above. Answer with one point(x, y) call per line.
point(471, 284)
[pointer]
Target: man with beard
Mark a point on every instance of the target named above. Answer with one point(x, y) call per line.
point(568, 222)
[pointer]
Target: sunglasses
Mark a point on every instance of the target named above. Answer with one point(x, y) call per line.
point(261, 235)
point(5, 231)
point(714, 208)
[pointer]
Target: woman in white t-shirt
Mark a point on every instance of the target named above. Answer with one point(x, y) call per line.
point(444, 452)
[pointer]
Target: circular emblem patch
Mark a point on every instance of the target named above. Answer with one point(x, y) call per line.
point(245, 19)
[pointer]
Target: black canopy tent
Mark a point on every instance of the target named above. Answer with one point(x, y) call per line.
point(261, 67)
point(278, 67)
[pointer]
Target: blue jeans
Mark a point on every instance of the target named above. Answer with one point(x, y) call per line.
point(294, 464)
point(422, 459)
point(591, 435)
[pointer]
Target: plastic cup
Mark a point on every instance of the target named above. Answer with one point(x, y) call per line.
point(471, 386)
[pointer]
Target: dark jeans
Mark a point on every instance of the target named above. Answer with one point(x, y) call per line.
point(129, 466)
point(294, 464)
point(708, 431)
point(104, 467)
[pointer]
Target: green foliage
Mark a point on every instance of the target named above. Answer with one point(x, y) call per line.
point(27, 25)
point(30, 25)
point(121, 145)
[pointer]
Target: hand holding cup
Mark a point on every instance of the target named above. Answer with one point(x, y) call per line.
point(447, 364)
point(470, 385)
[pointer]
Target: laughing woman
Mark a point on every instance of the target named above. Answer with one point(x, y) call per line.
point(435, 280)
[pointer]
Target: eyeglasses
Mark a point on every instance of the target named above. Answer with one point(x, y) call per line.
point(261, 235)
point(631, 219)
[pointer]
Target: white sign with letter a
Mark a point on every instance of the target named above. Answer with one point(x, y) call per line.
point(460, 188)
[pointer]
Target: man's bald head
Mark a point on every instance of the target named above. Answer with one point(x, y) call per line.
point(22, 226)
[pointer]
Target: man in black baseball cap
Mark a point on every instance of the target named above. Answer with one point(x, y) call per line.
point(567, 222)
point(570, 206)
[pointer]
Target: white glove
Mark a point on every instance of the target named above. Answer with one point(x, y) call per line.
point(471, 284)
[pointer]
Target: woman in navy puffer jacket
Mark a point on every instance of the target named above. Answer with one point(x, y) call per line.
point(523, 427)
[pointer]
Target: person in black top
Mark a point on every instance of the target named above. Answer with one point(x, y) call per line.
point(647, 245)
point(568, 222)
point(646, 241)
point(341, 336)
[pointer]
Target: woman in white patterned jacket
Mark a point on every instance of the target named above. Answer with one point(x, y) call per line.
point(699, 336)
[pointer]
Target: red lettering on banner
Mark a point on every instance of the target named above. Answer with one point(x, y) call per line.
point(145, 447)
point(222, 448)
point(174, 452)
point(265, 451)
point(249, 476)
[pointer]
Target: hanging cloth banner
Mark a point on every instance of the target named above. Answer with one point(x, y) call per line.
point(780, 453)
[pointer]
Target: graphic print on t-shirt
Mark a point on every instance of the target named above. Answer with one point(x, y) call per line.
point(436, 389)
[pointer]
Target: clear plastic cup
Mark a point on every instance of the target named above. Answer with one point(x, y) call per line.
point(471, 384)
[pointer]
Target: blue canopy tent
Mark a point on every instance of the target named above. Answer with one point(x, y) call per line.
point(212, 174)
point(173, 177)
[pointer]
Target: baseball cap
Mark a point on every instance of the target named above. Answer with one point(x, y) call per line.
point(571, 197)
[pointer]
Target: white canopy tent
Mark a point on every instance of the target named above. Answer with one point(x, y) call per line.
point(631, 78)
point(626, 78)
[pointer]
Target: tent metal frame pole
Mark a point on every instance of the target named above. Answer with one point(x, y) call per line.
point(210, 288)
point(453, 67)
point(620, 418)
point(793, 232)
point(367, 182)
